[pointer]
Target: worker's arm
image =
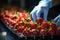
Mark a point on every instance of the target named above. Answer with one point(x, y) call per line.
point(57, 20)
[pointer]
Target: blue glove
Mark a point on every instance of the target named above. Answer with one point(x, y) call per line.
point(57, 20)
point(42, 7)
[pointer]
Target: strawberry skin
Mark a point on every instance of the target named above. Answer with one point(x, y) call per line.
point(20, 29)
point(33, 32)
point(39, 20)
point(53, 25)
point(44, 24)
point(25, 32)
point(58, 31)
point(33, 26)
point(16, 26)
point(11, 22)
point(43, 32)
point(51, 31)
point(6, 15)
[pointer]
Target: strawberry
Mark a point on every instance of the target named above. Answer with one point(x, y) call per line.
point(16, 26)
point(12, 11)
point(11, 22)
point(39, 20)
point(27, 25)
point(32, 32)
point(1, 15)
point(51, 31)
point(6, 15)
point(19, 24)
point(12, 16)
point(25, 32)
point(33, 26)
point(20, 29)
point(6, 19)
point(44, 25)
point(58, 31)
point(53, 25)
point(22, 24)
point(18, 19)
point(43, 32)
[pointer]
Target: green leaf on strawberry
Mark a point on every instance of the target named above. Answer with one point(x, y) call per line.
point(17, 14)
point(28, 29)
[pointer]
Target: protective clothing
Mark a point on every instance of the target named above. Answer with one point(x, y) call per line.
point(57, 20)
point(42, 7)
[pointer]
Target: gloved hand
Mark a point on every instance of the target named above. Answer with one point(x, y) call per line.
point(57, 20)
point(42, 7)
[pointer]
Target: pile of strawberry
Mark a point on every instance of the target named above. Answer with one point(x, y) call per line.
point(21, 21)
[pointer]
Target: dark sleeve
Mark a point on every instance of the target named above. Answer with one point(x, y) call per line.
point(56, 2)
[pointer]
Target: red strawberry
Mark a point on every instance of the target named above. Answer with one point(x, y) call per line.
point(32, 32)
point(22, 24)
point(20, 29)
point(12, 16)
point(6, 19)
point(27, 25)
point(33, 26)
point(11, 22)
point(44, 24)
point(51, 31)
point(16, 26)
point(43, 32)
point(18, 19)
point(6, 15)
point(58, 31)
point(25, 32)
point(24, 15)
point(1, 15)
point(12, 11)
point(39, 20)
point(53, 25)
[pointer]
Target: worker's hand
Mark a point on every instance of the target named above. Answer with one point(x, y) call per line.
point(42, 7)
point(35, 13)
point(57, 20)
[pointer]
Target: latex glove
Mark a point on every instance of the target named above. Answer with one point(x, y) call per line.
point(57, 20)
point(47, 3)
point(42, 7)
